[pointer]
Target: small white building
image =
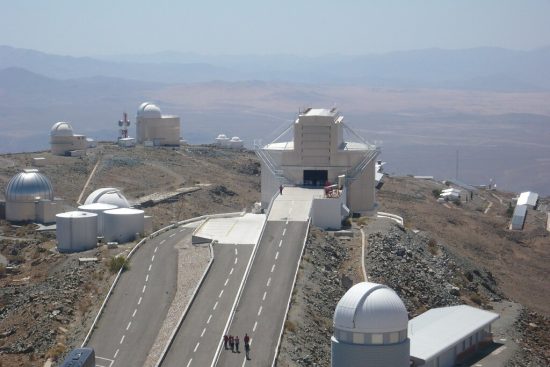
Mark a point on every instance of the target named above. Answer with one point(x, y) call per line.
point(528, 198)
point(63, 140)
point(76, 231)
point(451, 194)
point(123, 224)
point(518, 218)
point(127, 142)
point(152, 126)
point(222, 141)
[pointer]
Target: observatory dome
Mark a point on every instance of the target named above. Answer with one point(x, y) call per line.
point(61, 129)
point(149, 110)
point(28, 186)
point(108, 195)
point(370, 308)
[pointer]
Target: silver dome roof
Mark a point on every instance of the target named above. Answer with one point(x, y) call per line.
point(29, 185)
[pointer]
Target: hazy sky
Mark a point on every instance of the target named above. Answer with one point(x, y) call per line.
point(304, 27)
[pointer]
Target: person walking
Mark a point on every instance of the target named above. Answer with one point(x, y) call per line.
point(281, 189)
point(225, 341)
point(247, 346)
point(232, 343)
point(237, 344)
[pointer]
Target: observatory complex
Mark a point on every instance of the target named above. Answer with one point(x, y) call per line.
point(322, 150)
point(154, 128)
point(63, 141)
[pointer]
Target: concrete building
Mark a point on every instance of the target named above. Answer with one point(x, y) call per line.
point(528, 198)
point(154, 128)
point(370, 328)
point(518, 218)
point(322, 148)
point(29, 198)
point(63, 141)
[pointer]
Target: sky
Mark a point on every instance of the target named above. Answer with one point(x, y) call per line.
point(299, 27)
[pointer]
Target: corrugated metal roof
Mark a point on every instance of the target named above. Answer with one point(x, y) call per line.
point(528, 198)
point(440, 328)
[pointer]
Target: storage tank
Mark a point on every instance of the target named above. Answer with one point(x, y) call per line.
point(121, 225)
point(76, 231)
point(99, 209)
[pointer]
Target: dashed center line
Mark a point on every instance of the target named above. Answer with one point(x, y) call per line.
point(268, 282)
point(143, 290)
point(134, 314)
point(189, 363)
point(150, 267)
point(196, 347)
point(139, 301)
point(277, 255)
point(273, 268)
point(215, 305)
point(260, 310)
point(209, 318)
point(236, 259)
point(220, 295)
point(153, 258)
point(172, 235)
point(161, 242)
point(255, 325)
point(226, 281)
point(236, 252)
point(280, 243)
point(231, 272)
point(147, 278)
point(129, 324)
point(116, 354)
point(284, 231)
point(263, 298)
point(122, 339)
point(156, 248)
point(203, 331)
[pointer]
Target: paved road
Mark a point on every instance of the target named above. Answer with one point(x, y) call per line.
point(262, 308)
point(139, 304)
point(199, 335)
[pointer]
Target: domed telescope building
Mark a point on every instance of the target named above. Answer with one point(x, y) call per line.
point(63, 141)
point(154, 128)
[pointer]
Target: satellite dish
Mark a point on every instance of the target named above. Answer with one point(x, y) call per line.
point(119, 122)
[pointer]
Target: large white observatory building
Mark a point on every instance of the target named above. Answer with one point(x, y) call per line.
point(154, 128)
point(63, 140)
point(30, 198)
point(323, 148)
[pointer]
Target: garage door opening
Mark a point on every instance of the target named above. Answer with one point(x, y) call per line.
point(315, 177)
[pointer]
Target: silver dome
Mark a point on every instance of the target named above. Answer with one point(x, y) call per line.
point(29, 185)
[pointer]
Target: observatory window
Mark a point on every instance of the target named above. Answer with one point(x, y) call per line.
point(358, 338)
point(394, 338)
point(377, 338)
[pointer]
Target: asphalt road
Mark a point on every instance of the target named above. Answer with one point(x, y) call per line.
point(199, 335)
point(262, 308)
point(139, 304)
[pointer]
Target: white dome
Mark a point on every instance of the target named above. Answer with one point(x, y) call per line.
point(28, 186)
point(222, 136)
point(236, 139)
point(61, 129)
point(149, 110)
point(108, 195)
point(370, 308)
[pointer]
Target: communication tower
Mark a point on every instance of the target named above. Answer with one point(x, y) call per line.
point(123, 124)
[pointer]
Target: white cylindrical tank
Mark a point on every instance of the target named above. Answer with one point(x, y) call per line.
point(76, 231)
point(121, 225)
point(99, 209)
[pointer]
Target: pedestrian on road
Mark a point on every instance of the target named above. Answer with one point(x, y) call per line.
point(231, 343)
point(237, 343)
point(247, 346)
point(281, 189)
point(225, 341)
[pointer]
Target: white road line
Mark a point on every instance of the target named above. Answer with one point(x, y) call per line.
point(196, 347)
point(284, 231)
point(156, 248)
point(260, 310)
point(116, 353)
point(254, 328)
point(280, 243)
point(153, 258)
point(209, 318)
point(150, 267)
point(277, 255)
point(147, 278)
point(215, 305)
point(236, 259)
point(263, 298)
point(161, 242)
point(286, 221)
point(220, 295)
point(143, 290)
point(139, 301)
point(134, 314)
point(172, 235)
point(129, 324)
point(182, 230)
point(236, 252)
point(268, 282)
point(226, 281)
point(189, 363)
point(231, 272)
point(122, 339)
point(273, 268)
point(203, 331)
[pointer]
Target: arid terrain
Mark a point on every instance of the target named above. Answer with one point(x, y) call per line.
point(48, 300)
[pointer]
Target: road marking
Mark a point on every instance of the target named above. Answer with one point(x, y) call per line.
point(116, 354)
point(280, 243)
point(263, 298)
point(196, 347)
point(286, 221)
point(153, 258)
point(260, 310)
point(268, 282)
point(122, 339)
point(209, 317)
point(156, 248)
point(277, 255)
point(189, 363)
point(226, 281)
point(273, 268)
point(203, 331)
point(147, 278)
point(236, 252)
point(220, 295)
point(143, 290)
point(134, 314)
point(215, 305)
point(254, 328)
point(150, 267)
point(139, 301)
point(129, 324)
point(172, 235)
point(498, 351)
point(284, 231)
point(231, 272)
point(181, 230)
point(236, 259)
point(161, 242)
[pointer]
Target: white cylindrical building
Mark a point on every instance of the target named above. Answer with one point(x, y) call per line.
point(23, 192)
point(121, 225)
point(76, 231)
point(370, 328)
point(108, 195)
point(99, 209)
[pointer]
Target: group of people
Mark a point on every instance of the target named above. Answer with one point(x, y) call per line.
point(232, 342)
